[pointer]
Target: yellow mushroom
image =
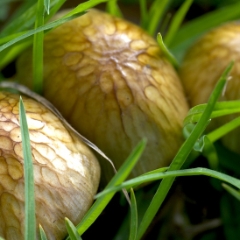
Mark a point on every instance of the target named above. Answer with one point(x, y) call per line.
point(111, 81)
point(66, 173)
point(204, 63)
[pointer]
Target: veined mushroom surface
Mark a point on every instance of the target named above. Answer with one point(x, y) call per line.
point(113, 84)
point(66, 173)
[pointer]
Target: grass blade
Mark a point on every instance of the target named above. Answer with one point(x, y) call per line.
point(72, 231)
point(47, 4)
point(113, 9)
point(176, 21)
point(101, 203)
point(182, 154)
point(155, 15)
point(232, 191)
point(144, 13)
point(43, 235)
point(30, 222)
point(38, 49)
point(134, 217)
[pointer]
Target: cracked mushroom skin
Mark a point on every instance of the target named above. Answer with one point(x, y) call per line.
point(204, 63)
point(66, 173)
point(112, 83)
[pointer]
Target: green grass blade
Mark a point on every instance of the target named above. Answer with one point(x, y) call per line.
point(47, 4)
point(72, 231)
point(144, 14)
point(182, 154)
point(30, 222)
point(176, 21)
point(166, 52)
point(113, 9)
point(134, 217)
point(224, 129)
point(155, 15)
point(143, 179)
point(101, 203)
point(232, 191)
point(43, 235)
point(38, 49)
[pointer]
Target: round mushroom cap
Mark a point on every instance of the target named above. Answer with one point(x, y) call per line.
point(203, 65)
point(112, 83)
point(66, 173)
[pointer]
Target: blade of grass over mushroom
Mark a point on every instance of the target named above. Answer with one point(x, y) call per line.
point(176, 21)
point(232, 191)
point(182, 154)
point(42, 233)
point(121, 175)
point(113, 9)
point(134, 217)
point(72, 231)
point(38, 49)
point(166, 52)
point(155, 15)
point(30, 221)
point(194, 28)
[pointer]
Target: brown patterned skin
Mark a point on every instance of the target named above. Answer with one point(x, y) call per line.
point(204, 63)
point(66, 173)
point(111, 81)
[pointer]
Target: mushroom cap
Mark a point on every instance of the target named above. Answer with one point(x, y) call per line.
point(66, 173)
point(112, 83)
point(203, 65)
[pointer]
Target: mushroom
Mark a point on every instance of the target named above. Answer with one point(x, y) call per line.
point(66, 173)
point(113, 84)
point(204, 63)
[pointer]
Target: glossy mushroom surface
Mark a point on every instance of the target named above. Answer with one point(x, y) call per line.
point(204, 63)
point(112, 83)
point(66, 173)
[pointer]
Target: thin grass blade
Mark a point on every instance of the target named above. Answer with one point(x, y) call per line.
point(134, 217)
point(113, 9)
point(30, 221)
point(182, 155)
point(232, 191)
point(155, 15)
point(72, 231)
point(171, 174)
point(144, 14)
point(122, 174)
point(47, 4)
point(176, 21)
point(38, 49)
point(42, 233)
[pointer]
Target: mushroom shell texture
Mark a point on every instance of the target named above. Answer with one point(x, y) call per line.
point(66, 173)
point(112, 83)
point(204, 63)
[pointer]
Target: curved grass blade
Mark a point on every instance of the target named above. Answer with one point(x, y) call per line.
point(134, 217)
point(232, 191)
point(42, 233)
point(166, 52)
point(182, 154)
point(169, 174)
point(176, 21)
point(30, 221)
point(72, 231)
point(47, 4)
point(121, 175)
point(38, 49)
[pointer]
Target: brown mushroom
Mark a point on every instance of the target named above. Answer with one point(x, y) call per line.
point(66, 173)
point(204, 63)
point(111, 81)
